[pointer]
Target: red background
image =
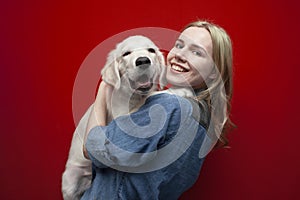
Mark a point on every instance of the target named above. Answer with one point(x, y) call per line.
point(43, 44)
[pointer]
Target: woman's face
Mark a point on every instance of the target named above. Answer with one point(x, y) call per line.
point(190, 62)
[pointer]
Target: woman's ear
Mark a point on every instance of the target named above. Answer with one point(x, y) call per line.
point(214, 73)
point(110, 72)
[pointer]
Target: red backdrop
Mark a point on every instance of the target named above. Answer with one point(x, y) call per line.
point(43, 44)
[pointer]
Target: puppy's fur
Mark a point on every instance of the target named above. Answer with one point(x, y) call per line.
point(133, 70)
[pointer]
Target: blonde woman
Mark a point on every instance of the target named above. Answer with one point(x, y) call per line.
point(157, 152)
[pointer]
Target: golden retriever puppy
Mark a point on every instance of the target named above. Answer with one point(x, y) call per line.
point(132, 71)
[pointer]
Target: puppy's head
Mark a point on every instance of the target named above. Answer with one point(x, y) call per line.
point(136, 62)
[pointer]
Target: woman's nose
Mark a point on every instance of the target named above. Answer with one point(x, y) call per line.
point(180, 56)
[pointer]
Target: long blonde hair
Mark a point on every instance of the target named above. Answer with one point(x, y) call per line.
point(218, 93)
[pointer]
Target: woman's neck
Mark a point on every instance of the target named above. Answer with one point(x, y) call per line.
point(196, 91)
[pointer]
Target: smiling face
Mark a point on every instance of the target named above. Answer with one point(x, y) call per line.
point(190, 63)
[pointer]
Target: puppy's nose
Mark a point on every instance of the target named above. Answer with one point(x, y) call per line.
point(142, 62)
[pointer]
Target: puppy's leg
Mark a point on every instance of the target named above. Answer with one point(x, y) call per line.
point(78, 173)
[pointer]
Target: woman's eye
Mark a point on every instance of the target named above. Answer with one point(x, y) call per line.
point(197, 53)
point(179, 46)
point(151, 50)
point(126, 53)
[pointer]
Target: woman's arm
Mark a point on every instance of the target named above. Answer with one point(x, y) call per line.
point(133, 140)
point(98, 114)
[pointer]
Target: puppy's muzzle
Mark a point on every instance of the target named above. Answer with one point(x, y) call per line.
point(144, 83)
point(143, 62)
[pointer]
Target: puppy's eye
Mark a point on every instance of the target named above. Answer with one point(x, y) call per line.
point(126, 53)
point(151, 50)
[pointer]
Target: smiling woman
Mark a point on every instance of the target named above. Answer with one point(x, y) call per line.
point(157, 152)
point(202, 58)
point(191, 59)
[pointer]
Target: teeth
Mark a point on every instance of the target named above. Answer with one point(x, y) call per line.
point(177, 68)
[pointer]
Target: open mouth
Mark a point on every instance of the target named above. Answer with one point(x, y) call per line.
point(145, 88)
point(141, 87)
point(178, 68)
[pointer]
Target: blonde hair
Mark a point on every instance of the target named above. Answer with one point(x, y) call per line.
point(218, 93)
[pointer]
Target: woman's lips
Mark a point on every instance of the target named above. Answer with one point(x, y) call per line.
point(178, 68)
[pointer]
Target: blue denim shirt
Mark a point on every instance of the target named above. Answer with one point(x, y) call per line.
point(147, 155)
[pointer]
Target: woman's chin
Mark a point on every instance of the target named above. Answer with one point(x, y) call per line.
point(177, 82)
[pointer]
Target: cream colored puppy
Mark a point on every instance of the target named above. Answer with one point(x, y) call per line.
point(130, 74)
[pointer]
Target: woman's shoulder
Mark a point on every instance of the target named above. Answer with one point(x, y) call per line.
point(169, 100)
point(199, 110)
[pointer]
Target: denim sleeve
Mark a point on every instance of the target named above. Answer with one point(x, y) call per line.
point(133, 140)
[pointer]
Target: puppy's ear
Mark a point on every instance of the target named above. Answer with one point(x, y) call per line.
point(110, 72)
point(162, 69)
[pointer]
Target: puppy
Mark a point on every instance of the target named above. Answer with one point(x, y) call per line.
point(132, 71)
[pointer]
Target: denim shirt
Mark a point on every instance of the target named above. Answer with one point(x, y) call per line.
point(150, 154)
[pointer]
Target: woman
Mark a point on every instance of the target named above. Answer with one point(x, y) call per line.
point(157, 152)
